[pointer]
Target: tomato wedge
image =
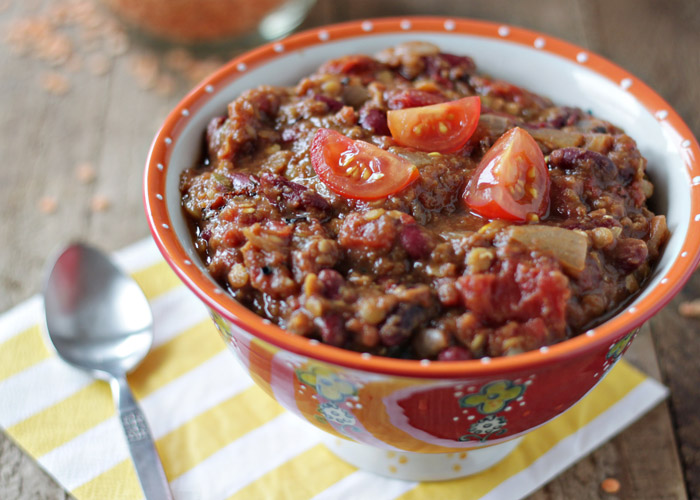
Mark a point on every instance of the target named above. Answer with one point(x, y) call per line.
point(511, 181)
point(357, 169)
point(444, 127)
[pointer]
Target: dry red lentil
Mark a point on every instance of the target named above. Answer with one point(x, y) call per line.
point(48, 204)
point(610, 485)
point(85, 172)
point(690, 309)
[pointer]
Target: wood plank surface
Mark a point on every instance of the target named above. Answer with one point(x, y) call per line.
point(109, 120)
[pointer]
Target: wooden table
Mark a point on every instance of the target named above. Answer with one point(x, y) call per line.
point(109, 121)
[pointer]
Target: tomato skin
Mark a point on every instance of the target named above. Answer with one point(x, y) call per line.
point(511, 181)
point(444, 127)
point(358, 169)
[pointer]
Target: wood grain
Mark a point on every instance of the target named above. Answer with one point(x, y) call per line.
point(109, 121)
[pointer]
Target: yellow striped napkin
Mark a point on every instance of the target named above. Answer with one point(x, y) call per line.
point(220, 437)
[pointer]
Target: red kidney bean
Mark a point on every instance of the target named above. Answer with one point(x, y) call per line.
point(572, 159)
point(630, 253)
point(332, 280)
point(333, 104)
point(455, 353)
point(414, 242)
point(374, 120)
point(332, 329)
point(411, 98)
point(288, 195)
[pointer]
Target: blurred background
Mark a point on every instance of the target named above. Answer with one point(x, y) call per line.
point(85, 85)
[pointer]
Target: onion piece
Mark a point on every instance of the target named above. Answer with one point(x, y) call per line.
point(569, 247)
point(553, 138)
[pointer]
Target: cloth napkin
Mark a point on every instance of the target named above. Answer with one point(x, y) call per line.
point(220, 437)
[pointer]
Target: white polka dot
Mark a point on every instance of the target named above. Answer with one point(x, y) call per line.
point(323, 35)
point(503, 31)
point(314, 396)
point(278, 47)
point(508, 408)
point(302, 387)
point(664, 281)
point(185, 112)
point(241, 67)
point(470, 417)
point(544, 349)
point(684, 254)
point(160, 166)
point(582, 57)
point(165, 226)
point(267, 321)
point(449, 25)
point(662, 114)
point(522, 403)
point(696, 180)
point(348, 404)
point(626, 83)
point(459, 394)
point(313, 342)
point(632, 310)
point(160, 197)
point(697, 218)
point(209, 88)
point(459, 387)
point(486, 360)
point(455, 419)
point(365, 355)
point(472, 389)
point(686, 143)
point(424, 362)
point(358, 406)
point(465, 411)
point(532, 376)
point(519, 398)
point(528, 382)
point(405, 24)
point(539, 42)
point(187, 262)
point(168, 140)
point(596, 375)
point(218, 291)
point(367, 26)
point(590, 333)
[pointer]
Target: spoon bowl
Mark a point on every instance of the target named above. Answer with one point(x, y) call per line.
point(98, 319)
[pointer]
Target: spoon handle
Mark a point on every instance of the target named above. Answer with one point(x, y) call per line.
point(143, 451)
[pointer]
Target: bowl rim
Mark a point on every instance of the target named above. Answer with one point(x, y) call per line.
point(223, 304)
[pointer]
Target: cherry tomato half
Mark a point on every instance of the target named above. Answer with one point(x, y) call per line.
point(357, 169)
point(511, 180)
point(444, 127)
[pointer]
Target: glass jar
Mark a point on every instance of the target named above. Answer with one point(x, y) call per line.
point(212, 21)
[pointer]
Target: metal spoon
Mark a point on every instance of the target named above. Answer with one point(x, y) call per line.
point(98, 319)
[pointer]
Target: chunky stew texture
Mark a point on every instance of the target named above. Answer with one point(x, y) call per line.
point(418, 273)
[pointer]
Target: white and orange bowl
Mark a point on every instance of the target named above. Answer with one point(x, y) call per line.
point(432, 409)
